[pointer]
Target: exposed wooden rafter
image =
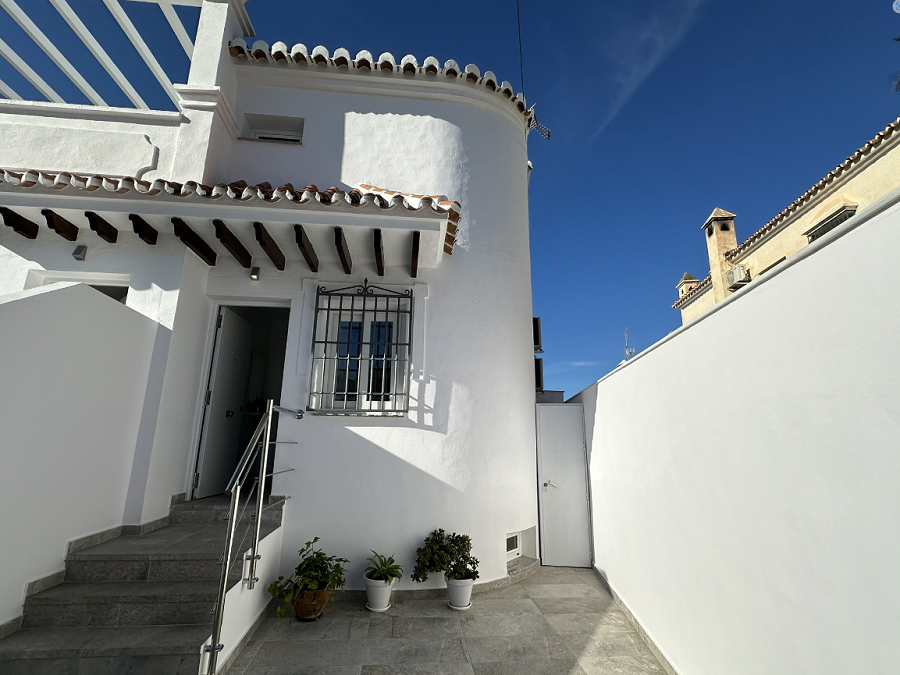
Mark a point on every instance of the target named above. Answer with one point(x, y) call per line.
point(340, 243)
point(232, 243)
point(62, 227)
point(19, 223)
point(103, 229)
point(379, 252)
point(194, 242)
point(306, 248)
point(414, 256)
point(143, 229)
point(269, 246)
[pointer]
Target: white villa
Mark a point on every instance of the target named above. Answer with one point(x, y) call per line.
point(317, 267)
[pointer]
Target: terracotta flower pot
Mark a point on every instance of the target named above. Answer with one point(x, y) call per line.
point(309, 605)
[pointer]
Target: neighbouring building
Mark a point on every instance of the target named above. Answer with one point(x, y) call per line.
point(864, 178)
point(164, 272)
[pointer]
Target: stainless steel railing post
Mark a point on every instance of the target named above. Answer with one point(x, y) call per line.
point(215, 646)
point(260, 495)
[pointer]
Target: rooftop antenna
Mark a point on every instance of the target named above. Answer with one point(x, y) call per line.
point(533, 124)
point(629, 351)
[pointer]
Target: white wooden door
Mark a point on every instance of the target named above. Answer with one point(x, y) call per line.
point(562, 486)
point(220, 439)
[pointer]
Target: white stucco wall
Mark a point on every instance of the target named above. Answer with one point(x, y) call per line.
point(74, 367)
point(745, 471)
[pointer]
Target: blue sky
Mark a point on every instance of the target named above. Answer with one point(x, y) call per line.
point(661, 110)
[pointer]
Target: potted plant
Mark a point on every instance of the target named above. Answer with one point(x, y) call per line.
point(381, 575)
point(452, 555)
point(311, 585)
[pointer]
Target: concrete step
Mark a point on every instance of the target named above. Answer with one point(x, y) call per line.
point(134, 603)
point(145, 650)
point(215, 510)
point(172, 553)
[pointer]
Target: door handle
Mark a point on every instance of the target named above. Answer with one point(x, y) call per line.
point(229, 413)
point(550, 483)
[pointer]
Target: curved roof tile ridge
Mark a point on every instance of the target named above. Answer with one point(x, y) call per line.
point(364, 61)
point(239, 191)
point(833, 175)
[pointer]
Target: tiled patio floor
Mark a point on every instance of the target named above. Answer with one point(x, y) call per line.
point(559, 621)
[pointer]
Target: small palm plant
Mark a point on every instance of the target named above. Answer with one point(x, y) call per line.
point(380, 576)
point(383, 568)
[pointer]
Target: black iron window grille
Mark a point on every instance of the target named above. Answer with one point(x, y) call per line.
point(361, 351)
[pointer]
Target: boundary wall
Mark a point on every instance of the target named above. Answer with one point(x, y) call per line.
point(746, 474)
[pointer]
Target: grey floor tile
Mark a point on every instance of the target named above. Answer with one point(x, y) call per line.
point(501, 606)
point(608, 620)
point(608, 644)
point(621, 665)
point(573, 605)
point(553, 575)
point(563, 591)
point(517, 648)
point(393, 651)
point(513, 591)
point(302, 653)
point(326, 628)
point(305, 670)
point(534, 667)
point(420, 669)
point(425, 607)
point(500, 625)
point(414, 627)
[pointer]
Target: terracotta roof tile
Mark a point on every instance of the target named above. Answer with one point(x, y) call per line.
point(841, 168)
point(364, 62)
point(699, 289)
point(239, 191)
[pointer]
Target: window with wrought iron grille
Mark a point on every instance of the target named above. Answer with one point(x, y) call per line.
point(361, 351)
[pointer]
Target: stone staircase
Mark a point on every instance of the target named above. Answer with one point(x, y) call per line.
point(135, 604)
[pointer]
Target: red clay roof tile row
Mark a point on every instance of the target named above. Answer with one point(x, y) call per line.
point(365, 62)
point(238, 191)
point(699, 289)
point(843, 167)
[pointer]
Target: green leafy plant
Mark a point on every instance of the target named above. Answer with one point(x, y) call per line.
point(383, 568)
point(450, 554)
point(315, 572)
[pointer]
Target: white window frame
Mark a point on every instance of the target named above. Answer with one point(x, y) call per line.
point(516, 552)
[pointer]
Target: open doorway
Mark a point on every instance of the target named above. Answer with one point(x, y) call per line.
point(246, 370)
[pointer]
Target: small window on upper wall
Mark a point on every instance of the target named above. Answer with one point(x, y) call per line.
point(273, 128)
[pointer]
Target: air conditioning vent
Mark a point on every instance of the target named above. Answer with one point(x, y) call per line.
point(536, 329)
point(737, 276)
point(273, 128)
point(539, 374)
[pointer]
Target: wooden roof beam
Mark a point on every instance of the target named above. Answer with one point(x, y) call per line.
point(104, 230)
point(194, 242)
point(340, 243)
point(60, 225)
point(232, 243)
point(306, 248)
point(379, 253)
point(269, 246)
point(19, 223)
point(414, 256)
point(143, 229)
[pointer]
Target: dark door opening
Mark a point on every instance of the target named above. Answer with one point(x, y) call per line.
point(247, 369)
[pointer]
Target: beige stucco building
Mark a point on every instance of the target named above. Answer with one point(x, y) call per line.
point(862, 179)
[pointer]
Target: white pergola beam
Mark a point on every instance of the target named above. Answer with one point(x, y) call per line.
point(177, 27)
point(50, 50)
point(28, 73)
point(99, 53)
point(8, 92)
point(126, 25)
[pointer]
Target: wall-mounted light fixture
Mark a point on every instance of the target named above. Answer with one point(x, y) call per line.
point(254, 274)
point(80, 252)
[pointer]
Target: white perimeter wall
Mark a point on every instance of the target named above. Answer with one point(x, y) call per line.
point(746, 473)
point(74, 366)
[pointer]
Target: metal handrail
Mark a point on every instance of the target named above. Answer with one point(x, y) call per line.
point(254, 450)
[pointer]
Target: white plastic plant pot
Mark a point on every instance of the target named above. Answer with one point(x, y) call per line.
point(378, 594)
point(460, 592)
